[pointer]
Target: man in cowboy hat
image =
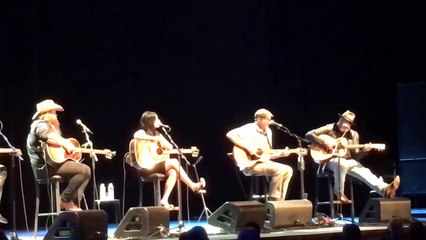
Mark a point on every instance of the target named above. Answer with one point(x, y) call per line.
point(256, 136)
point(46, 128)
point(348, 163)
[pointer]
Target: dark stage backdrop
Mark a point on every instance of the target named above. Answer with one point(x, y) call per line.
point(412, 143)
point(205, 67)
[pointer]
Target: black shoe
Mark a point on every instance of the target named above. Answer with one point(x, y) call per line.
point(3, 220)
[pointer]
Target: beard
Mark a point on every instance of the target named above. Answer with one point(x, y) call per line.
point(56, 125)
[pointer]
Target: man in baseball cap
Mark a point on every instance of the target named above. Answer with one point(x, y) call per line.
point(252, 143)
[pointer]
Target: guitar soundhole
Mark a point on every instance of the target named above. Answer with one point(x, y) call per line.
point(159, 151)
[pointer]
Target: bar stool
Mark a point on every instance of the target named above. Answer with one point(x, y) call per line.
point(55, 199)
point(322, 173)
point(156, 179)
point(258, 188)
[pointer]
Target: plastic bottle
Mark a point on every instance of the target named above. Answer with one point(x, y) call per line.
point(102, 192)
point(111, 191)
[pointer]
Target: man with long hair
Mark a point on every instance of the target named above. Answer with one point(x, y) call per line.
point(327, 137)
point(150, 137)
point(45, 130)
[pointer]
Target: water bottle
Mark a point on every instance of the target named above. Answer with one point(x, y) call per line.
point(102, 192)
point(111, 191)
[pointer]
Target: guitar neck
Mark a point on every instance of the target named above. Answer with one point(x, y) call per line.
point(96, 151)
point(290, 150)
point(355, 146)
point(9, 150)
point(175, 151)
point(372, 145)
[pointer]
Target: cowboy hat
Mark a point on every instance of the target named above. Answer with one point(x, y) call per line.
point(348, 116)
point(45, 106)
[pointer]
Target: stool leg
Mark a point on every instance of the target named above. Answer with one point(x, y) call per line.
point(251, 190)
point(317, 179)
point(352, 203)
point(140, 193)
point(265, 188)
point(330, 195)
point(157, 193)
point(37, 209)
point(57, 198)
point(117, 213)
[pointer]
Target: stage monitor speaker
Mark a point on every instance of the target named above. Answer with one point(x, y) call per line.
point(143, 221)
point(384, 209)
point(232, 216)
point(288, 213)
point(84, 225)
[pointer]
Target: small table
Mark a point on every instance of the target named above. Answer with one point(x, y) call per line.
point(116, 205)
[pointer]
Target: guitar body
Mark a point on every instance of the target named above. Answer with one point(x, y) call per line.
point(244, 159)
point(57, 154)
point(147, 153)
point(322, 155)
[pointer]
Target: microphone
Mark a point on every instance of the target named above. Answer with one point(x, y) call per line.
point(273, 123)
point(85, 128)
point(165, 126)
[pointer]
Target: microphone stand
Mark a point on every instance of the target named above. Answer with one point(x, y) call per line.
point(300, 159)
point(14, 234)
point(89, 145)
point(206, 210)
point(180, 157)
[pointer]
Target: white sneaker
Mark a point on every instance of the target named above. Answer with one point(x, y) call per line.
point(3, 220)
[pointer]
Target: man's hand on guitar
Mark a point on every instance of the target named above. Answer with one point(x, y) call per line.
point(367, 147)
point(285, 152)
point(69, 147)
point(255, 151)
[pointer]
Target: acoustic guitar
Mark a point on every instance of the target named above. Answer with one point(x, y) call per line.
point(321, 155)
point(244, 158)
point(147, 153)
point(57, 154)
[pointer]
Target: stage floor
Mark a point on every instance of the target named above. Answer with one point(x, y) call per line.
point(218, 233)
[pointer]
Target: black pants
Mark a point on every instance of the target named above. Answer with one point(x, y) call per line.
point(77, 175)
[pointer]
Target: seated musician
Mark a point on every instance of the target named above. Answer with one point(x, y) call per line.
point(325, 137)
point(255, 138)
point(153, 139)
point(45, 130)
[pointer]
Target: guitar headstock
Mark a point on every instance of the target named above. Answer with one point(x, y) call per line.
point(377, 146)
point(16, 152)
point(303, 151)
point(195, 151)
point(109, 154)
point(298, 151)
